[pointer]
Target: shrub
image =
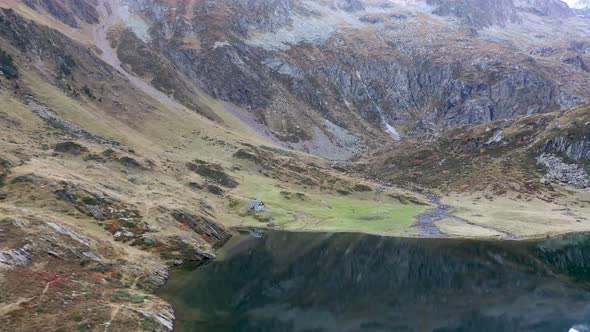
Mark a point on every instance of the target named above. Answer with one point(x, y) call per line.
point(88, 92)
point(149, 323)
point(125, 296)
point(65, 64)
point(7, 66)
point(76, 317)
point(89, 200)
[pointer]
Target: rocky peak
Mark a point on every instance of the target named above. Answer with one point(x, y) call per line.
point(478, 13)
point(350, 5)
point(582, 4)
point(582, 8)
point(485, 13)
point(551, 8)
point(260, 15)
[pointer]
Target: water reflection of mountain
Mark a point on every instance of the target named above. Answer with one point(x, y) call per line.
point(349, 282)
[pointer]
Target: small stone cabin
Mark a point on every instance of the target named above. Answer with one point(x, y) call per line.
point(256, 205)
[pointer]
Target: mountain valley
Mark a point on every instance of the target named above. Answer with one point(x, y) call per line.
point(135, 135)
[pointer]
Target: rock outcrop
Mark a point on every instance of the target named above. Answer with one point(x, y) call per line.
point(478, 13)
point(213, 232)
point(70, 147)
point(15, 257)
point(551, 8)
point(294, 65)
point(557, 170)
point(485, 13)
point(575, 148)
point(70, 12)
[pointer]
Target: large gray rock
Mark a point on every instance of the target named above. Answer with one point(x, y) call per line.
point(557, 170)
point(478, 13)
point(573, 147)
point(15, 257)
point(551, 8)
point(210, 230)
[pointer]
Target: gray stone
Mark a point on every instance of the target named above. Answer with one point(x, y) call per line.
point(64, 230)
point(557, 170)
point(15, 257)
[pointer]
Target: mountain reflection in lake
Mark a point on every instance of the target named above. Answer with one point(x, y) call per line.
point(352, 282)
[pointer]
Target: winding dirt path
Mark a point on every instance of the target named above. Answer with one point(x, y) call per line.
point(114, 313)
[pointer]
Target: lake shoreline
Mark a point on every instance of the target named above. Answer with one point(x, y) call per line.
point(249, 252)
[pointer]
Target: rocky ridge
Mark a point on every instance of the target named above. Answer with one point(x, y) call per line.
point(391, 87)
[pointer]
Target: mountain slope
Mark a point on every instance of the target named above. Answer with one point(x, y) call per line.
point(369, 69)
point(105, 182)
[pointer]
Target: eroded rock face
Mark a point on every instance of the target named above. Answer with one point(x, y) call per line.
point(444, 98)
point(552, 8)
point(231, 73)
point(260, 15)
point(478, 13)
point(576, 148)
point(363, 67)
point(212, 231)
point(15, 257)
point(68, 11)
point(165, 317)
point(557, 170)
point(578, 62)
point(213, 172)
point(485, 13)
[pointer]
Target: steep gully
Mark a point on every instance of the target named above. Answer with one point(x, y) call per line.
point(111, 13)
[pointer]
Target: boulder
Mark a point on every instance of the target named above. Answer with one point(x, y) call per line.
point(211, 231)
point(71, 148)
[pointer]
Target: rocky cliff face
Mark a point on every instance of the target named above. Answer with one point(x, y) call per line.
point(486, 13)
point(428, 96)
point(582, 8)
point(581, 5)
point(71, 12)
point(314, 72)
point(551, 8)
point(293, 64)
point(573, 147)
point(478, 13)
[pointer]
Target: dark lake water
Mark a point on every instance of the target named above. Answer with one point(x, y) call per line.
point(352, 282)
